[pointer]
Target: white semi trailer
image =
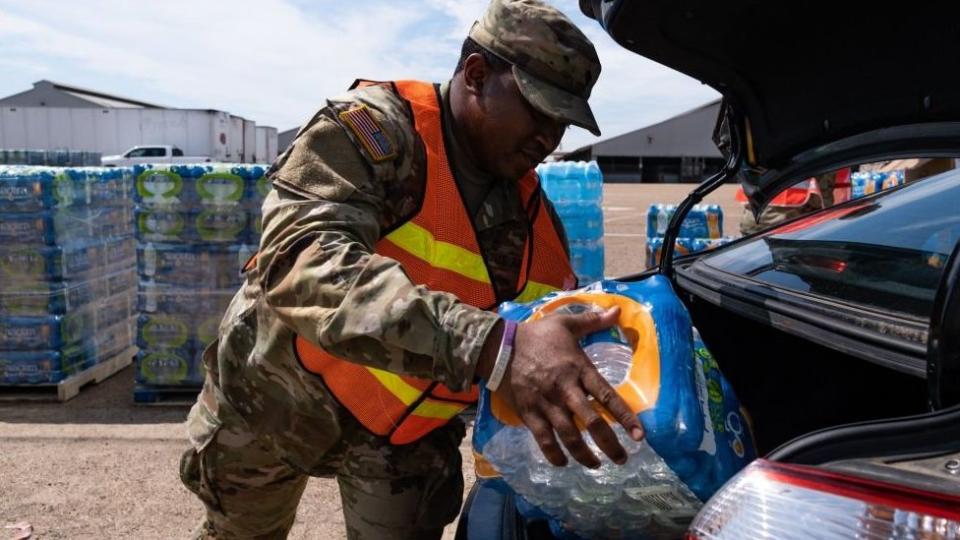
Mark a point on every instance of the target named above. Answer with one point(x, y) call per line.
point(206, 133)
point(267, 149)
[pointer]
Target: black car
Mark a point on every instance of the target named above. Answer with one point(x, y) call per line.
point(840, 330)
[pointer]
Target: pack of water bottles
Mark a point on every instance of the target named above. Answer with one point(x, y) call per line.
point(703, 221)
point(576, 190)
point(696, 433)
point(701, 229)
point(683, 246)
point(866, 183)
point(196, 226)
point(57, 157)
point(67, 283)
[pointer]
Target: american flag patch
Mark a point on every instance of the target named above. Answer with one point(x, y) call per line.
point(369, 132)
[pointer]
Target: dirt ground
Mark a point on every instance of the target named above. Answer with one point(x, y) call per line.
point(99, 466)
point(625, 219)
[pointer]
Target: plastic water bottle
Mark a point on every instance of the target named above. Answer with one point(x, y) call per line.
point(568, 183)
point(595, 267)
point(594, 502)
point(545, 172)
point(658, 218)
point(595, 182)
point(714, 221)
point(610, 351)
point(576, 191)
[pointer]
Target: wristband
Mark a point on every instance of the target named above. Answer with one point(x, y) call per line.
point(503, 356)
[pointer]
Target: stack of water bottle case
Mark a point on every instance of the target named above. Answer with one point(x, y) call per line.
point(59, 157)
point(866, 183)
point(196, 226)
point(67, 285)
point(576, 190)
point(701, 229)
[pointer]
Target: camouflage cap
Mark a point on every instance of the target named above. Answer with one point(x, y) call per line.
point(554, 63)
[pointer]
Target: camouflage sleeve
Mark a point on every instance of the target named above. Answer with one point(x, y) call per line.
point(321, 277)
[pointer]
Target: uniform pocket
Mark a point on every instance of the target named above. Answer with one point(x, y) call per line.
point(442, 496)
point(442, 493)
point(202, 429)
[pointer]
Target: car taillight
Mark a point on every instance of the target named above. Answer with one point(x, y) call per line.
point(782, 502)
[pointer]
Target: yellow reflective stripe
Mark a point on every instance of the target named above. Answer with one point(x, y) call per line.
point(420, 243)
point(408, 394)
point(534, 291)
point(397, 386)
point(438, 409)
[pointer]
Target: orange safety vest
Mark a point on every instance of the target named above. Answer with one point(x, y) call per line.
point(438, 248)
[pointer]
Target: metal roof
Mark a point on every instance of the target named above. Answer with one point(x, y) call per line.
point(687, 134)
point(44, 89)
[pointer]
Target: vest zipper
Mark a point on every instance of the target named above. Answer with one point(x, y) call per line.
point(416, 403)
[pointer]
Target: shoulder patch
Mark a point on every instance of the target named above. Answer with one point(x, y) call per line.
point(370, 133)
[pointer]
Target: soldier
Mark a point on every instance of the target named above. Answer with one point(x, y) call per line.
point(808, 201)
point(403, 213)
point(776, 211)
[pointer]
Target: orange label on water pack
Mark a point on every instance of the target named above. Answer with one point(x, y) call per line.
point(642, 384)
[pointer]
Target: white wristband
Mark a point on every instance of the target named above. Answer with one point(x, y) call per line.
point(503, 357)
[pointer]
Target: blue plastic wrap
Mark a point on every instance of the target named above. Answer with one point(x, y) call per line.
point(22, 264)
point(64, 226)
point(196, 225)
point(576, 190)
point(59, 297)
point(168, 367)
point(258, 186)
point(194, 186)
point(171, 347)
point(867, 183)
point(704, 221)
point(67, 268)
point(166, 299)
point(34, 189)
point(183, 335)
point(697, 436)
point(40, 332)
point(42, 366)
point(213, 224)
point(194, 266)
point(683, 246)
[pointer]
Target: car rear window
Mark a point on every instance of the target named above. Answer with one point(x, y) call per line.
point(885, 252)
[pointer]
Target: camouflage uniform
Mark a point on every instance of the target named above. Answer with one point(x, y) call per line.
point(262, 424)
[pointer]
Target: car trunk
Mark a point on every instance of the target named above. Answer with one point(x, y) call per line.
point(790, 386)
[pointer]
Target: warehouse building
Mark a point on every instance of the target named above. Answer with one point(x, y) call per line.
point(57, 116)
point(679, 149)
point(53, 94)
point(286, 137)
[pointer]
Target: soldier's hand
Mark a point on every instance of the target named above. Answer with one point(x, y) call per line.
point(548, 383)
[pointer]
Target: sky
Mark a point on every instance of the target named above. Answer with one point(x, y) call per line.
point(275, 61)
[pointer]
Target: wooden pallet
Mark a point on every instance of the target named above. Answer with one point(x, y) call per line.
point(70, 387)
point(171, 396)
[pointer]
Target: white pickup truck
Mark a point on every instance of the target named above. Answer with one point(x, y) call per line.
point(151, 153)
